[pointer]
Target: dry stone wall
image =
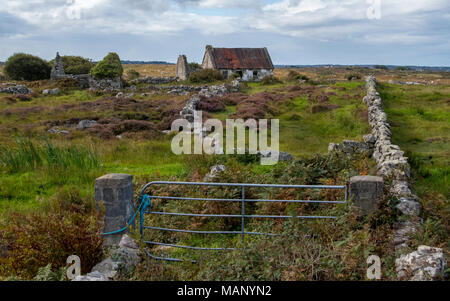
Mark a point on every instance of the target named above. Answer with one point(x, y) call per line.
point(393, 165)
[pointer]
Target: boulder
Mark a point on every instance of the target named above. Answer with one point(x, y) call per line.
point(427, 263)
point(214, 172)
point(85, 124)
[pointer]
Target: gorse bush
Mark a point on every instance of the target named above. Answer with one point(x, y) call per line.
point(75, 64)
point(109, 67)
point(21, 66)
point(69, 225)
point(205, 76)
point(27, 156)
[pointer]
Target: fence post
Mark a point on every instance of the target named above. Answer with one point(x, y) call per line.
point(116, 193)
point(366, 191)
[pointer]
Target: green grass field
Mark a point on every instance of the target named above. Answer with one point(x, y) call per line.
point(37, 166)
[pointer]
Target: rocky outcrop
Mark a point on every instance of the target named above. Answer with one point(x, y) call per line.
point(426, 263)
point(121, 261)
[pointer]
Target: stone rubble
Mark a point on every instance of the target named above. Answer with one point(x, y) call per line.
point(426, 263)
point(123, 259)
point(16, 89)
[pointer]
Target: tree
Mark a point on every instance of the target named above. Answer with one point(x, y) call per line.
point(109, 67)
point(22, 66)
point(75, 64)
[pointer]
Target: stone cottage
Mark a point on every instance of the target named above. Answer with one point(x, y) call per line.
point(249, 63)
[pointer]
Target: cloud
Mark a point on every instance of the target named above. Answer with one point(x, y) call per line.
point(289, 23)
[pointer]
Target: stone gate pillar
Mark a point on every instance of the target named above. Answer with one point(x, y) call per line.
point(116, 193)
point(366, 191)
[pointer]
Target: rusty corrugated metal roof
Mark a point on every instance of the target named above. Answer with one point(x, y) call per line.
point(241, 58)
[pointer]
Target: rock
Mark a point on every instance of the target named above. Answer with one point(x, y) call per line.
point(409, 206)
point(370, 139)
point(426, 263)
point(108, 268)
point(85, 124)
point(282, 156)
point(94, 276)
point(56, 130)
point(403, 233)
point(215, 170)
point(128, 242)
point(351, 147)
point(16, 89)
point(334, 147)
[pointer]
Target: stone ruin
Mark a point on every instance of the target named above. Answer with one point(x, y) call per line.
point(182, 67)
point(58, 68)
point(84, 80)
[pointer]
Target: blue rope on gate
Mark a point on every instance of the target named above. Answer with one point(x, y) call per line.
point(144, 203)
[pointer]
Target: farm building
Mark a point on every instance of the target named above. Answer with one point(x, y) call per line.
point(249, 63)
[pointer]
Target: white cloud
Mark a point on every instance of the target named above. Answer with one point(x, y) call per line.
point(403, 22)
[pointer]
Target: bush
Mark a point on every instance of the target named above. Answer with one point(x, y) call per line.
point(205, 76)
point(294, 75)
point(109, 67)
point(21, 66)
point(381, 67)
point(353, 76)
point(270, 80)
point(132, 74)
point(194, 66)
point(69, 226)
point(75, 64)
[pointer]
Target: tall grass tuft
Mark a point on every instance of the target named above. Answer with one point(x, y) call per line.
point(27, 156)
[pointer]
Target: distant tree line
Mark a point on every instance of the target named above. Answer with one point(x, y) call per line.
point(22, 66)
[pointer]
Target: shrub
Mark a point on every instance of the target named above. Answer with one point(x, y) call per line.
point(21, 66)
point(75, 64)
point(353, 76)
point(109, 67)
point(381, 67)
point(270, 80)
point(205, 76)
point(210, 105)
point(70, 226)
point(294, 75)
point(194, 66)
point(132, 74)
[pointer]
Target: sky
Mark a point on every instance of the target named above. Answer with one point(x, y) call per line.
point(296, 32)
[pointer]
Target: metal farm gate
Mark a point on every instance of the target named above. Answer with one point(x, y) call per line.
point(145, 207)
